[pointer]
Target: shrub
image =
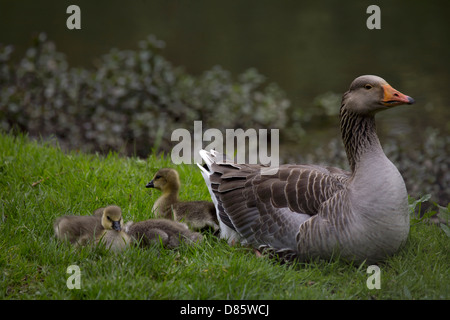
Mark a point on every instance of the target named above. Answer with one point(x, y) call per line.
point(131, 101)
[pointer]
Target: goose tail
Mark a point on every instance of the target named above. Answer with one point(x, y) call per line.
point(206, 170)
point(210, 158)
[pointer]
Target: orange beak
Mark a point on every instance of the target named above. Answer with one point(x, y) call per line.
point(393, 97)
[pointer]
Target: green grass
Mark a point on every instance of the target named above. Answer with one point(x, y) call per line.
point(39, 182)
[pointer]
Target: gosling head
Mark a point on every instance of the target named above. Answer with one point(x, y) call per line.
point(369, 94)
point(112, 218)
point(166, 179)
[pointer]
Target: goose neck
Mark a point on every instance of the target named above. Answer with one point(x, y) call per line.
point(170, 194)
point(359, 137)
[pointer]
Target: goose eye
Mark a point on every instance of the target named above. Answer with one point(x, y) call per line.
point(157, 177)
point(368, 87)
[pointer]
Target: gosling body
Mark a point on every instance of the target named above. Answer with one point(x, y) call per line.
point(197, 214)
point(105, 226)
point(167, 232)
point(77, 229)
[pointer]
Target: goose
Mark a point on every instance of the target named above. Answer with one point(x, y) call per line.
point(113, 236)
point(169, 233)
point(307, 212)
point(197, 214)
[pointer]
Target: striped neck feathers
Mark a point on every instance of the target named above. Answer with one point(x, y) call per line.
point(358, 135)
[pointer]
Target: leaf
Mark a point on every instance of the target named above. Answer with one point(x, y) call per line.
point(446, 229)
point(414, 203)
point(444, 213)
point(417, 204)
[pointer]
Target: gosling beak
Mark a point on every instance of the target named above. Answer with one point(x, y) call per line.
point(150, 185)
point(116, 225)
point(393, 97)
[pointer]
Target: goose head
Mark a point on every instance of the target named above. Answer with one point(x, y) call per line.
point(112, 218)
point(370, 94)
point(166, 180)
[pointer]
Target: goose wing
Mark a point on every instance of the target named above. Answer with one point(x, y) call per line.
point(268, 207)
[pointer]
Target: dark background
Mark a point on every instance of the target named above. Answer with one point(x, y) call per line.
point(307, 47)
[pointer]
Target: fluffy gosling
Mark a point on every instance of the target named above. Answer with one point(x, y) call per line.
point(197, 214)
point(104, 226)
point(113, 236)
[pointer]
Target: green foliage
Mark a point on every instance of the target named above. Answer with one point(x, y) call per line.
point(441, 216)
point(38, 182)
point(131, 101)
point(427, 168)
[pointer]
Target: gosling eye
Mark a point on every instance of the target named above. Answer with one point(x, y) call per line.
point(368, 86)
point(157, 177)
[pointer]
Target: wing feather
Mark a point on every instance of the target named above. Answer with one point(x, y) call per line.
point(269, 209)
point(301, 189)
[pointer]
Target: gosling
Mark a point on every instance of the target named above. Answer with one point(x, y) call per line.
point(104, 226)
point(167, 232)
point(197, 214)
point(113, 236)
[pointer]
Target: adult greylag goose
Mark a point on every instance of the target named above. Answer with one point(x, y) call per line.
point(196, 214)
point(311, 211)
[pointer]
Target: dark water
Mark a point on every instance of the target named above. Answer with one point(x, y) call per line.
point(307, 47)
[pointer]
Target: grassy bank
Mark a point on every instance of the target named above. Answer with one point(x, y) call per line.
point(38, 182)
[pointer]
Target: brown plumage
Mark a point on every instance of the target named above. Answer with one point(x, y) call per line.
point(113, 237)
point(197, 214)
point(99, 212)
point(309, 211)
point(169, 233)
point(104, 226)
point(77, 229)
